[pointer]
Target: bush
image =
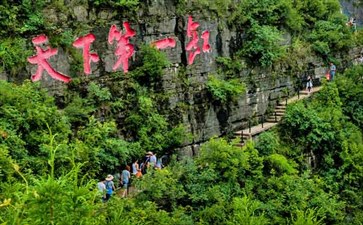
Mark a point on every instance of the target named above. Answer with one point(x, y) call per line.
point(262, 45)
point(224, 91)
point(151, 64)
point(330, 36)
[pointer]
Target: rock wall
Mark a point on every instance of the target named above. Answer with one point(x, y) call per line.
point(203, 117)
point(351, 8)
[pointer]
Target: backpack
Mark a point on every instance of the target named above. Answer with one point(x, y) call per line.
point(108, 185)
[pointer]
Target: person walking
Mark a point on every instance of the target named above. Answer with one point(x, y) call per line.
point(125, 180)
point(152, 159)
point(102, 189)
point(309, 84)
point(110, 187)
point(138, 174)
point(135, 167)
point(145, 165)
point(332, 71)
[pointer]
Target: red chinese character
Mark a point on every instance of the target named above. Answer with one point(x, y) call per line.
point(205, 36)
point(41, 60)
point(193, 44)
point(164, 43)
point(124, 49)
point(85, 43)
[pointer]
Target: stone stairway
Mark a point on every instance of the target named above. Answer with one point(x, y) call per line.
point(278, 113)
point(272, 120)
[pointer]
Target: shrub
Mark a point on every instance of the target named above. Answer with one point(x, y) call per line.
point(225, 90)
point(262, 45)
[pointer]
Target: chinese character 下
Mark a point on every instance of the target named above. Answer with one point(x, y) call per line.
point(85, 43)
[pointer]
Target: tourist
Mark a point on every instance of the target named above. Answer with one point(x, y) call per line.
point(125, 180)
point(102, 189)
point(152, 160)
point(158, 164)
point(332, 71)
point(135, 167)
point(117, 177)
point(110, 187)
point(309, 83)
point(145, 164)
point(139, 173)
point(360, 59)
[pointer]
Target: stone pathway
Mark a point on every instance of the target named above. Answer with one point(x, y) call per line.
point(273, 119)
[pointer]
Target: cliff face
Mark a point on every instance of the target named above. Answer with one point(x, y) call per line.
point(203, 117)
point(352, 9)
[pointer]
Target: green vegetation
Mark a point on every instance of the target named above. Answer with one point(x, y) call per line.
point(225, 90)
point(12, 55)
point(309, 170)
point(262, 22)
point(126, 4)
point(263, 43)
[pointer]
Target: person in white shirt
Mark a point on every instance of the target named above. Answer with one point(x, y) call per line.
point(102, 189)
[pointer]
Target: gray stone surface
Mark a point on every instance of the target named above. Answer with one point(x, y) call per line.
point(3, 76)
point(186, 90)
point(81, 13)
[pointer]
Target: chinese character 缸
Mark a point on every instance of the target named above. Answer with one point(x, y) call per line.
point(193, 44)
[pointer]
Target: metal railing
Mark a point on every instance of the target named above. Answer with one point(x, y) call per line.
point(261, 119)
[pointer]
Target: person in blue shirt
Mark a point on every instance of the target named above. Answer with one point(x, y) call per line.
point(110, 187)
point(125, 180)
point(332, 71)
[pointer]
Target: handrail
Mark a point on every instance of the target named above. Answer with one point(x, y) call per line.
point(242, 140)
point(249, 125)
point(261, 121)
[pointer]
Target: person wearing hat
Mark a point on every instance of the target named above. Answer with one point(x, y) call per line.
point(145, 164)
point(110, 187)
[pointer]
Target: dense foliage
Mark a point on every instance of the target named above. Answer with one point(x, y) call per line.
point(309, 170)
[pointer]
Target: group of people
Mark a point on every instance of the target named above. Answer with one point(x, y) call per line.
point(107, 187)
point(329, 76)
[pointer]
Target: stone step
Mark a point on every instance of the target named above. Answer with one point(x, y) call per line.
point(272, 119)
point(239, 144)
point(244, 138)
point(280, 107)
point(279, 114)
point(304, 92)
point(280, 110)
point(245, 134)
